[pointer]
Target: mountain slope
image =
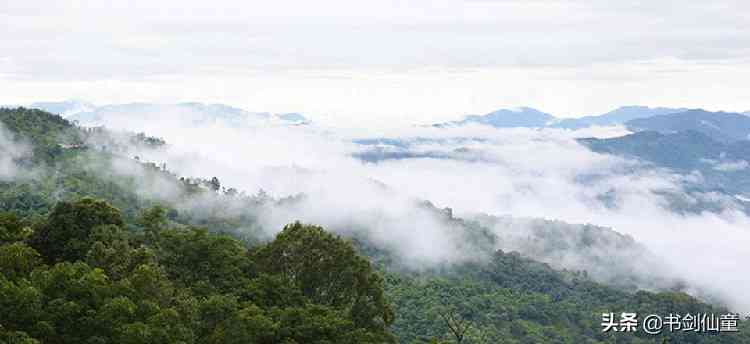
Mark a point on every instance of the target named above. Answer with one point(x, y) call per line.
point(723, 166)
point(683, 150)
point(720, 126)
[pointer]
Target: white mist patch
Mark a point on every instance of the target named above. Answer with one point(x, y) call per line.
point(10, 151)
point(731, 166)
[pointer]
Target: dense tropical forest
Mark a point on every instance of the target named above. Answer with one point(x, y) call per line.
point(90, 254)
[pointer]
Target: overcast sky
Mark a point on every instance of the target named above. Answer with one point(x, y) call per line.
point(375, 61)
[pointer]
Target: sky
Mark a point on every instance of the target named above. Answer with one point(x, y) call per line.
point(374, 62)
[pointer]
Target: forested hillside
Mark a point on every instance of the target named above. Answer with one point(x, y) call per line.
point(78, 276)
point(99, 247)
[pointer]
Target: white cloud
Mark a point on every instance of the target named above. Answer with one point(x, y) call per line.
point(731, 166)
point(521, 172)
point(10, 151)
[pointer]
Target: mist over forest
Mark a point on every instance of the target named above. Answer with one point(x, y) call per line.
point(519, 232)
point(375, 180)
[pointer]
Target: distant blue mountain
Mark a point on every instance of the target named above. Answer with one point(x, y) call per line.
point(720, 126)
point(382, 149)
point(188, 112)
point(614, 117)
point(685, 150)
point(524, 117)
point(293, 117)
point(724, 167)
point(195, 113)
point(64, 108)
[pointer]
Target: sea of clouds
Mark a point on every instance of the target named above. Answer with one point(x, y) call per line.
point(525, 173)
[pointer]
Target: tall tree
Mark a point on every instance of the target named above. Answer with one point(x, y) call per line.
point(329, 272)
point(64, 236)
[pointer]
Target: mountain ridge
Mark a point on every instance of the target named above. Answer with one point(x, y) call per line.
point(619, 115)
point(528, 117)
point(196, 112)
